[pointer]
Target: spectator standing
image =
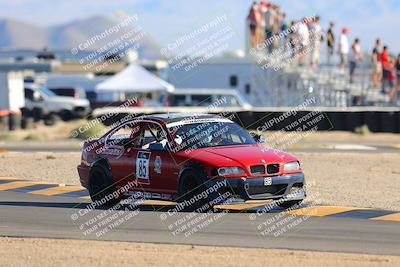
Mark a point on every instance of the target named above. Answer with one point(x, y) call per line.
point(397, 66)
point(252, 20)
point(397, 70)
point(392, 81)
point(304, 40)
point(385, 61)
point(330, 41)
point(284, 23)
point(316, 37)
point(277, 25)
point(285, 31)
point(343, 49)
point(260, 24)
point(376, 64)
point(269, 17)
point(293, 39)
point(355, 57)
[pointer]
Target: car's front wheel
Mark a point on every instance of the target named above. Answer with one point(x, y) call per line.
point(193, 192)
point(101, 186)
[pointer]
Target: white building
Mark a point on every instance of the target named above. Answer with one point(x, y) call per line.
point(261, 87)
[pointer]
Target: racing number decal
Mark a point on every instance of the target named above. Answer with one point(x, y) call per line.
point(142, 167)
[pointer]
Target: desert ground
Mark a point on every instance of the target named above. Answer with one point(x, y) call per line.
point(35, 252)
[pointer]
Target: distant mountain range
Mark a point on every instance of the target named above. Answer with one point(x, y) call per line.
point(15, 34)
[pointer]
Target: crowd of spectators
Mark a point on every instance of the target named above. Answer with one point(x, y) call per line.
point(270, 29)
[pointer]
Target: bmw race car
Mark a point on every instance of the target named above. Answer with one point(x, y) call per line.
point(181, 158)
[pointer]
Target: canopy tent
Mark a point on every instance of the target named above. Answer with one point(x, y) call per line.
point(134, 79)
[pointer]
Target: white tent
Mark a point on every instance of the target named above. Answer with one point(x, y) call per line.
point(134, 79)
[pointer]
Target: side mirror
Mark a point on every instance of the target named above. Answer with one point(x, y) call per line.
point(260, 138)
point(37, 97)
point(156, 147)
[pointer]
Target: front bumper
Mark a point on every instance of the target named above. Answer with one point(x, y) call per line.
point(284, 186)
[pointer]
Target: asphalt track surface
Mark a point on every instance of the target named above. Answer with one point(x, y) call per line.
point(29, 215)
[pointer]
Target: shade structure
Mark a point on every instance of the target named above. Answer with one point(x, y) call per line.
point(134, 78)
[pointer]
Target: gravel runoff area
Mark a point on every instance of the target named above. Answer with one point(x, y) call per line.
point(347, 179)
point(57, 252)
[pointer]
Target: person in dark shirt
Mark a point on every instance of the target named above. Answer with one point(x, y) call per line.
point(252, 20)
point(397, 68)
point(392, 81)
point(330, 39)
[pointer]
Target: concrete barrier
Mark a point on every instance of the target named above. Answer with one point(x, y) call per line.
point(378, 119)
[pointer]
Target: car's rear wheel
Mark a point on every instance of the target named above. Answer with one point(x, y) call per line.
point(66, 115)
point(193, 195)
point(51, 119)
point(101, 186)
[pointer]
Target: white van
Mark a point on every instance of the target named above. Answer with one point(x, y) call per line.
point(44, 104)
point(203, 97)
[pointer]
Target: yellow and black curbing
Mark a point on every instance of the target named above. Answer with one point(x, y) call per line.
point(49, 189)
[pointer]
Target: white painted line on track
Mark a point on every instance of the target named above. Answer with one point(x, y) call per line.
point(352, 147)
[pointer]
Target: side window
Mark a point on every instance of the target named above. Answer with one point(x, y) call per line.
point(201, 100)
point(179, 100)
point(29, 94)
point(233, 81)
point(123, 135)
point(247, 89)
point(152, 133)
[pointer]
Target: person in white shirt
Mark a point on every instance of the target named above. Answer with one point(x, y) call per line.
point(304, 40)
point(269, 17)
point(355, 57)
point(316, 37)
point(343, 49)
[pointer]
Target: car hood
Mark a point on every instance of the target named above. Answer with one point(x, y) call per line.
point(242, 155)
point(69, 100)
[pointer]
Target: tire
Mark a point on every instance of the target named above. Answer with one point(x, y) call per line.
point(37, 114)
point(51, 119)
point(193, 182)
point(4, 121)
point(289, 204)
point(27, 123)
point(66, 115)
point(101, 186)
point(14, 121)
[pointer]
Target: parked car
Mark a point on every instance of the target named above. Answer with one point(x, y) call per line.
point(42, 103)
point(192, 159)
point(202, 97)
point(75, 92)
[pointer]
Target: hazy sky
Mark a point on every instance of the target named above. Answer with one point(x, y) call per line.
point(166, 20)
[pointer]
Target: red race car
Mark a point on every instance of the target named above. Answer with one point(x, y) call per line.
point(191, 159)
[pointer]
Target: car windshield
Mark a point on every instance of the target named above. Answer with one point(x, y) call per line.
point(210, 134)
point(46, 91)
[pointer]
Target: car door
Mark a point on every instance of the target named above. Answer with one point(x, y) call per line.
point(118, 149)
point(155, 170)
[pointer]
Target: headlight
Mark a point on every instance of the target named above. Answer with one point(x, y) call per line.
point(227, 171)
point(291, 166)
